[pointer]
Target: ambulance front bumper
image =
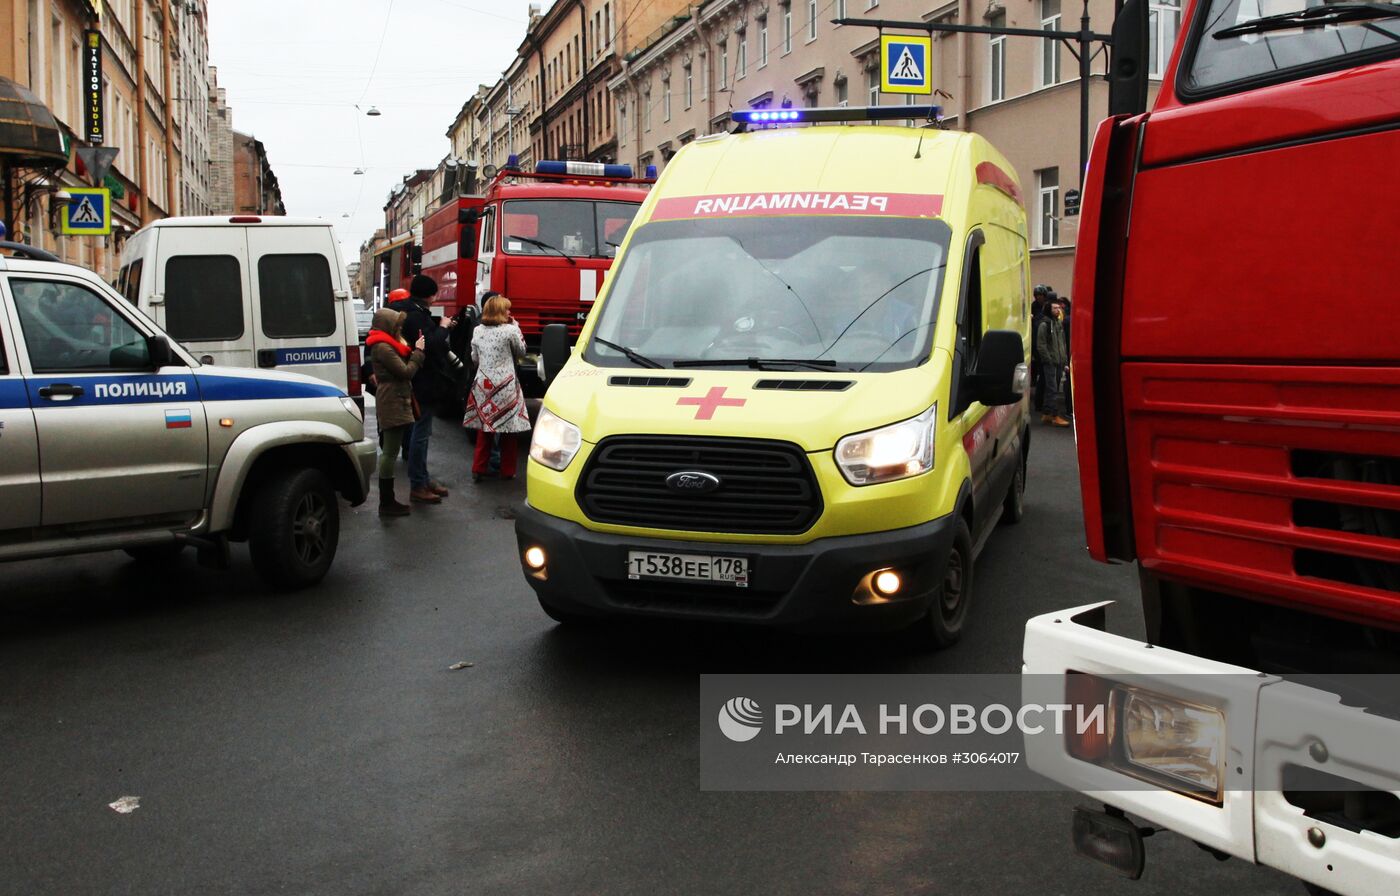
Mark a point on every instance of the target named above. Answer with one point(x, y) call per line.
point(816, 584)
point(1270, 725)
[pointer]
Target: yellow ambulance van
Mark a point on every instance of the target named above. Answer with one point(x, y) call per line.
point(801, 397)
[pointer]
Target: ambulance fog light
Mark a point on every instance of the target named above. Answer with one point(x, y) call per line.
point(555, 441)
point(892, 452)
point(1180, 742)
point(534, 557)
point(887, 582)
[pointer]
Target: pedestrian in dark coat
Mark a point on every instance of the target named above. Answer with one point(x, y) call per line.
point(1054, 359)
point(394, 365)
point(430, 383)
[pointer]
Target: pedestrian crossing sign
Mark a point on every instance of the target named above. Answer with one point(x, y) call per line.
point(904, 64)
point(89, 211)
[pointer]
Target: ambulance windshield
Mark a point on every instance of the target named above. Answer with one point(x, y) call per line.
point(836, 291)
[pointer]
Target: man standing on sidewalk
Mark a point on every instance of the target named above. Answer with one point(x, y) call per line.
point(1054, 362)
point(429, 385)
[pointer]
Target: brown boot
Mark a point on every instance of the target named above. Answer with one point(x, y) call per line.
point(438, 488)
point(1059, 421)
point(1046, 418)
point(388, 504)
point(424, 495)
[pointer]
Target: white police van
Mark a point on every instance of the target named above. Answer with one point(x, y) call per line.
point(248, 291)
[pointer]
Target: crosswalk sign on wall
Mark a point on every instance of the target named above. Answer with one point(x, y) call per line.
point(89, 211)
point(904, 64)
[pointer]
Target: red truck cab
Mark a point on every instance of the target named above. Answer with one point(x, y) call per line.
point(544, 239)
point(1236, 376)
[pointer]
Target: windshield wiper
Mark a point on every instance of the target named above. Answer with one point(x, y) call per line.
point(1331, 14)
point(761, 363)
point(635, 357)
point(543, 245)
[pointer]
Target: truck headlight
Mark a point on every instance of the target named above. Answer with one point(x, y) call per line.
point(1169, 737)
point(1163, 740)
point(897, 451)
point(555, 441)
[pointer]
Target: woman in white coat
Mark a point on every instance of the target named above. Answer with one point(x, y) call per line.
point(496, 406)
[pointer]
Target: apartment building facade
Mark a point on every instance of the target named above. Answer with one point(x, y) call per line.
point(1020, 92)
point(156, 107)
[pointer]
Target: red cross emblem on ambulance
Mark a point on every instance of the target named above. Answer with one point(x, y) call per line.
point(706, 405)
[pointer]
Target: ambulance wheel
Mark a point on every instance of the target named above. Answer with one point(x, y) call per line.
point(1013, 510)
point(294, 528)
point(947, 612)
point(156, 554)
point(565, 617)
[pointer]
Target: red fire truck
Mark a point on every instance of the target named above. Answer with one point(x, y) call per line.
point(1236, 371)
point(543, 239)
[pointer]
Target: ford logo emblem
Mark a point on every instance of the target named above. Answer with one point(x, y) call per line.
point(692, 481)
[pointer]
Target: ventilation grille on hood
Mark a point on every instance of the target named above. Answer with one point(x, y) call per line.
point(805, 385)
point(673, 382)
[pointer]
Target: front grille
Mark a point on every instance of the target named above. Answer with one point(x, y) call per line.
point(766, 487)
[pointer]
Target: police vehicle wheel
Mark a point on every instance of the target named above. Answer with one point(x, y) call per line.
point(294, 528)
point(1014, 508)
point(943, 625)
point(564, 617)
point(154, 554)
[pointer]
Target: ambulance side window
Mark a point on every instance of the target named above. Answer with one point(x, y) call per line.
point(970, 324)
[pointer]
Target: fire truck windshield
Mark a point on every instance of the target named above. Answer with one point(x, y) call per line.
point(580, 228)
point(849, 292)
point(1239, 41)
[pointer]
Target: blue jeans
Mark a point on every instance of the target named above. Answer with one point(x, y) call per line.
point(418, 451)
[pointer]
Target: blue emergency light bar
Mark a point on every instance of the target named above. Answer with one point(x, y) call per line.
point(748, 117)
point(583, 169)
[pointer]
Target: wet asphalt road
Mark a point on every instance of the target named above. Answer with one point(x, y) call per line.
point(317, 743)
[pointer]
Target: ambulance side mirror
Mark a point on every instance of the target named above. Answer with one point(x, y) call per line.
point(1001, 374)
point(554, 350)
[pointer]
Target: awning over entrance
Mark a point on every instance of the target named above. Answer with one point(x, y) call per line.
point(30, 137)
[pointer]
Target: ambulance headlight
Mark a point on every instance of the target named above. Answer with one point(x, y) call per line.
point(892, 452)
point(555, 441)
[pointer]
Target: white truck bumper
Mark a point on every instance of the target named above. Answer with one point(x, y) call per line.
point(1270, 724)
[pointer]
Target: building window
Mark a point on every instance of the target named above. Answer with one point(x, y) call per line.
point(996, 75)
point(689, 87)
point(787, 30)
point(1049, 48)
point(762, 42)
point(666, 100)
point(872, 87)
point(811, 20)
point(723, 66)
point(646, 109)
point(841, 93)
point(1163, 22)
point(1047, 188)
point(741, 57)
point(840, 9)
point(704, 76)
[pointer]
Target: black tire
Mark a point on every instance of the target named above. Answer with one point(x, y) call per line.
point(1315, 890)
point(294, 528)
point(566, 617)
point(1013, 509)
point(947, 612)
point(156, 554)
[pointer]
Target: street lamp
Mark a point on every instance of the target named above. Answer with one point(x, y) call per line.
point(359, 171)
point(374, 112)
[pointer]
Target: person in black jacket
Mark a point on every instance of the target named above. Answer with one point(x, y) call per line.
point(433, 382)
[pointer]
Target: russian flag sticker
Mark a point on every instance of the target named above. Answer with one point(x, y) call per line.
point(178, 419)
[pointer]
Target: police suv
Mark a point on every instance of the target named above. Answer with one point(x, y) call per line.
point(114, 437)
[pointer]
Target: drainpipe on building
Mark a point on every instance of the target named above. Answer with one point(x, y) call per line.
point(143, 210)
point(172, 183)
point(583, 69)
point(964, 69)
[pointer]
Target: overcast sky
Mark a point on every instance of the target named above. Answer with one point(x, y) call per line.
point(295, 70)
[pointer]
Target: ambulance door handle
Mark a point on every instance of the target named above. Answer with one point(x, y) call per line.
point(60, 391)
